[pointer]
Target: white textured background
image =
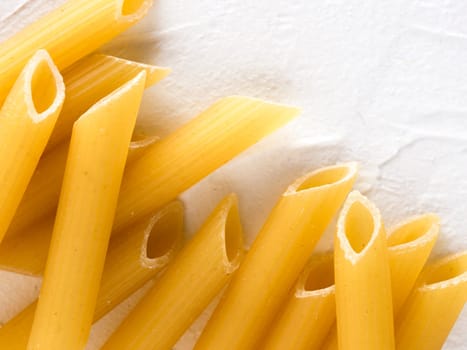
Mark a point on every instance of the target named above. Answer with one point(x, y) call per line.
point(381, 82)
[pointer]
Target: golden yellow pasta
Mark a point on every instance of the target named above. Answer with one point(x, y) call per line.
point(153, 243)
point(409, 245)
point(199, 147)
point(306, 318)
point(196, 276)
point(26, 252)
point(87, 81)
point(40, 199)
point(26, 121)
point(70, 178)
point(133, 258)
point(94, 169)
point(39, 203)
point(276, 258)
point(362, 276)
point(92, 78)
point(432, 308)
point(68, 33)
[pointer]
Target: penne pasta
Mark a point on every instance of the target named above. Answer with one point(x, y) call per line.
point(26, 121)
point(409, 246)
point(26, 252)
point(196, 276)
point(199, 147)
point(70, 32)
point(87, 81)
point(40, 201)
point(276, 258)
point(95, 164)
point(432, 308)
point(92, 78)
point(362, 275)
point(154, 243)
point(309, 313)
point(97, 76)
point(133, 258)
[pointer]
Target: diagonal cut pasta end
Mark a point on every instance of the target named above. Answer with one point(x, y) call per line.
point(132, 10)
point(154, 73)
point(309, 313)
point(413, 232)
point(362, 275)
point(232, 233)
point(324, 178)
point(433, 306)
point(358, 226)
point(163, 236)
point(43, 86)
point(446, 272)
point(409, 246)
point(317, 278)
point(272, 113)
point(98, 61)
point(122, 97)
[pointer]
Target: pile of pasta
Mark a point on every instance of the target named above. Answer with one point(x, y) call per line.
point(94, 209)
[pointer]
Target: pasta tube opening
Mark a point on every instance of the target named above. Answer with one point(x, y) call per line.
point(324, 177)
point(358, 225)
point(319, 275)
point(449, 271)
point(409, 245)
point(164, 234)
point(232, 235)
point(44, 86)
point(134, 9)
point(413, 231)
point(307, 316)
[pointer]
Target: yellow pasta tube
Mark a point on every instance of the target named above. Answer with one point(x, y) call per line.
point(276, 258)
point(26, 251)
point(363, 282)
point(432, 308)
point(26, 121)
point(309, 313)
point(96, 159)
point(133, 258)
point(409, 246)
point(40, 201)
point(87, 81)
point(68, 33)
point(202, 145)
point(41, 196)
point(154, 243)
point(196, 276)
point(27, 254)
point(92, 78)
